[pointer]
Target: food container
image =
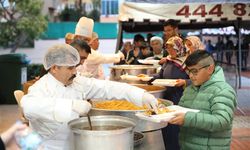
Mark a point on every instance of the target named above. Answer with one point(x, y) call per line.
point(118, 70)
point(138, 138)
point(141, 125)
point(155, 90)
point(110, 133)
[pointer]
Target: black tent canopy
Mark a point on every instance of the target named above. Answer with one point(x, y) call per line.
point(149, 16)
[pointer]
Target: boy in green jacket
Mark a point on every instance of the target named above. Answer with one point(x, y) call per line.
point(211, 128)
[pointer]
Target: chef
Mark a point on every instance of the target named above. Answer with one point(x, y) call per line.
point(60, 96)
point(93, 64)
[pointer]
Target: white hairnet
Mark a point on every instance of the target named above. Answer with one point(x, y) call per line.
point(61, 55)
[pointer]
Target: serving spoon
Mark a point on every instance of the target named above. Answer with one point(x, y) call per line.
point(88, 116)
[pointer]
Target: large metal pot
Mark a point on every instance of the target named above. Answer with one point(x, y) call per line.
point(157, 91)
point(119, 135)
point(141, 125)
point(118, 70)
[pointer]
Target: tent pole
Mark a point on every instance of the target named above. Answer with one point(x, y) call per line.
point(239, 52)
point(119, 37)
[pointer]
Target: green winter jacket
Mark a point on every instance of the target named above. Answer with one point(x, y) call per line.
point(211, 128)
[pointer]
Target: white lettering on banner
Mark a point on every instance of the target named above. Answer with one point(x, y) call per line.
point(184, 12)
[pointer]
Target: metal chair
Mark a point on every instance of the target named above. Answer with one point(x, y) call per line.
point(18, 95)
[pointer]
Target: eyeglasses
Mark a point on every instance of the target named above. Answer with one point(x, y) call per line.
point(195, 71)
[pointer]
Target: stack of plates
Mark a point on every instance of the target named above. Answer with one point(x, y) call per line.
point(164, 82)
point(148, 62)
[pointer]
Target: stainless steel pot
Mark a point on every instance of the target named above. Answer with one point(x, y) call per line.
point(118, 70)
point(157, 91)
point(141, 125)
point(112, 139)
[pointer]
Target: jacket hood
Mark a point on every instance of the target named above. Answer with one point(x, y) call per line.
point(217, 76)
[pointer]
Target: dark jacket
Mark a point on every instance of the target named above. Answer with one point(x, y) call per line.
point(171, 70)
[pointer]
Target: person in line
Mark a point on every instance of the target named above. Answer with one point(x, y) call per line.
point(60, 96)
point(145, 51)
point(126, 48)
point(211, 127)
point(170, 29)
point(136, 54)
point(229, 49)
point(156, 43)
point(173, 68)
point(92, 67)
point(220, 47)
point(209, 47)
point(193, 43)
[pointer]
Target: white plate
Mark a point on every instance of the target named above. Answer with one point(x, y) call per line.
point(135, 78)
point(164, 82)
point(166, 116)
point(148, 61)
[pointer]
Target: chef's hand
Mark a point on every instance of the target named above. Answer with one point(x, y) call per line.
point(180, 82)
point(81, 107)
point(121, 55)
point(178, 119)
point(150, 101)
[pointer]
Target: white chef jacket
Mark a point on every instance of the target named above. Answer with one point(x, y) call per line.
point(48, 104)
point(93, 64)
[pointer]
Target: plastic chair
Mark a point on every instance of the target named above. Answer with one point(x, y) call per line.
point(18, 95)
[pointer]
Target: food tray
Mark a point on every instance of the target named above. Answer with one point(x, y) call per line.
point(94, 102)
point(166, 116)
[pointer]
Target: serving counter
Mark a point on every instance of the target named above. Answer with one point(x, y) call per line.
point(151, 141)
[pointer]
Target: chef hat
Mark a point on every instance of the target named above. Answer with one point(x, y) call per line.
point(84, 27)
point(69, 37)
point(94, 36)
point(61, 55)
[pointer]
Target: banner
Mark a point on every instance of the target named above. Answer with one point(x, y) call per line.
point(185, 12)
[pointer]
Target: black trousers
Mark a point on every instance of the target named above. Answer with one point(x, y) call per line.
point(170, 135)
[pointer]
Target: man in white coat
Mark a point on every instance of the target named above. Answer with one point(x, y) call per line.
point(92, 67)
point(60, 96)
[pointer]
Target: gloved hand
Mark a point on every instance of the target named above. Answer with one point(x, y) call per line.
point(150, 101)
point(81, 107)
point(121, 55)
point(150, 81)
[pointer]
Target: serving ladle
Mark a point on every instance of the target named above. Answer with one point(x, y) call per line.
point(88, 116)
